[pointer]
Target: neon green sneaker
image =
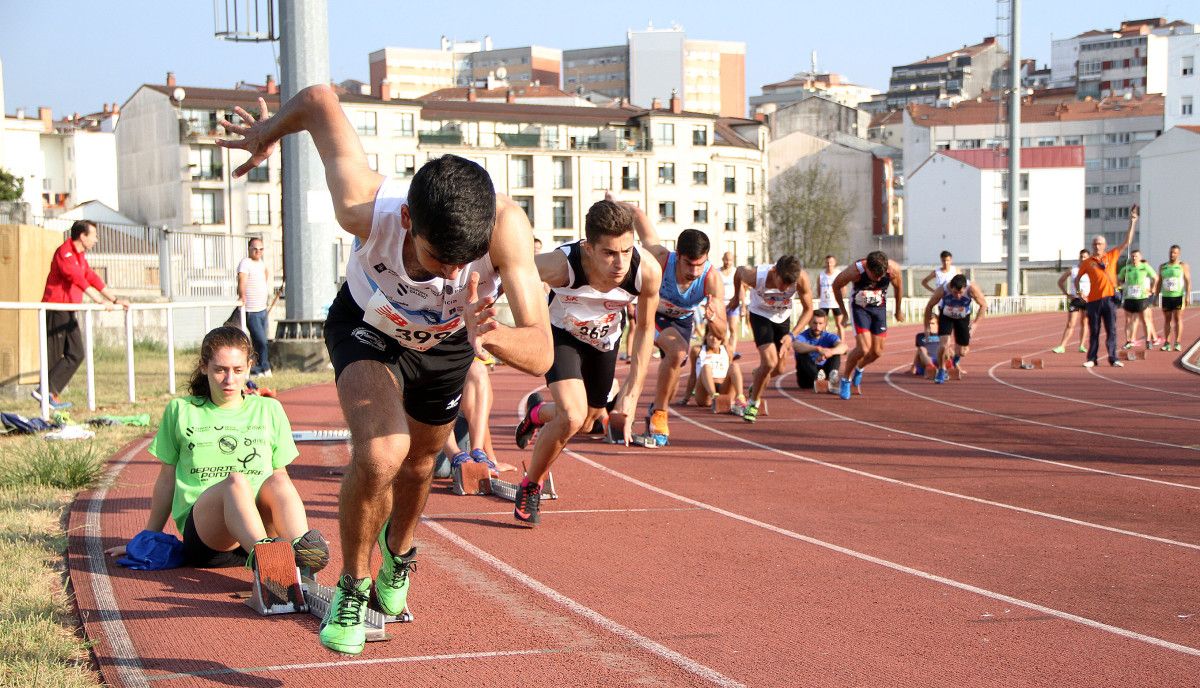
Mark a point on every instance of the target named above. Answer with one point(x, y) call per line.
point(1059, 350)
point(750, 414)
point(391, 585)
point(342, 629)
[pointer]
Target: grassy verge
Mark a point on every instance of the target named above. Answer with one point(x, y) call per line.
point(40, 642)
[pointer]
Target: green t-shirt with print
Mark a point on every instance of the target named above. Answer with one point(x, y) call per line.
point(206, 443)
point(1137, 280)
point(1172, 279)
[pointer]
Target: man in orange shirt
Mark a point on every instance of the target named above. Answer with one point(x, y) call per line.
point(1101, 270)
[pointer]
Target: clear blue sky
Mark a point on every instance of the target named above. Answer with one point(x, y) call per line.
point(73, 55)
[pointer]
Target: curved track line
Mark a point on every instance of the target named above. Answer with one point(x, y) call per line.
point(925, 575)
point(964, 445)
point(662, 651)
point(1092, 371)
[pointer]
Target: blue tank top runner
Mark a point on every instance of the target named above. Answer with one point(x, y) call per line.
point(687, 300)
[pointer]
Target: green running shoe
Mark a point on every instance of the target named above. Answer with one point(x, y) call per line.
point(1059, 350)
point(751, 413)
point(391, 585)
point(342, 629)
point(312, 551)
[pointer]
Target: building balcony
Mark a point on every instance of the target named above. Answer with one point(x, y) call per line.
point(526, 140)
point(630, 183)
point(213, 173)
point(440, 138)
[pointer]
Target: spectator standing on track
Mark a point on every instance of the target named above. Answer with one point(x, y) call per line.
point(818, 353)
point(1138, 283)
point(1100, 269)
point(1175, 291)
point(827, 301)
point(224, 455)
point(772, 289)
point(70, 277)
point(954, 316)
point(430, 258)
point(1076, 306)
point(940, 277)
point(870, 278)
point(254, 286)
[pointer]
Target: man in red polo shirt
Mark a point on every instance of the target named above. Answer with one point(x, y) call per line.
point(1101, 270)
point(70, 278)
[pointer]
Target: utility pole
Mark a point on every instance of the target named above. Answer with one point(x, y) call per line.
point(1014, 154)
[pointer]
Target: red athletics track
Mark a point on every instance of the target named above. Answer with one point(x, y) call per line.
point(1021, 527)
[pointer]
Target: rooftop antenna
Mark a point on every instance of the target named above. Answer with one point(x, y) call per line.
point(814, 63)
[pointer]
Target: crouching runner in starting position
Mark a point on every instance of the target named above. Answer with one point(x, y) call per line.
point(402, 332)
point(591, 281)
point(954, 316)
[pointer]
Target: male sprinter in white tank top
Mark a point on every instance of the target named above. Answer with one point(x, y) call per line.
point(591, 282)
point(403, 330)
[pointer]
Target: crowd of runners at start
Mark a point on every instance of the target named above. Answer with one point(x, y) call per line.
point(413, 332)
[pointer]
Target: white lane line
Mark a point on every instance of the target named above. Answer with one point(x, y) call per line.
point(986, 450)
point(925, 575)
point(934, 490)
point(557, 512)
point(1111, 407)
point(353, 662)
point(887, 378)
point(1147, 388)
point(662, 651)
point(127, 663)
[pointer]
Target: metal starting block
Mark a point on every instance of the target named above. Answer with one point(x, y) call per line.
point(276, 588)
point(476, 479)
point(320, 435)
point(1030, 364)
point(613, 435)
point(319, 596)
point(1131, 355)
point(819, 387)
point(723, 403)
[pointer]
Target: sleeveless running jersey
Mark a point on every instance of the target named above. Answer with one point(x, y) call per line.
point(825, 284)
point(673, 303)
point(1084, 283)
point(869, 292)
point(588, 314)
point(1138, 279)
point(1172, 279)
point(957, 307)
point(416, 314)
point(942, 277)
point(773, 304)
point(718, 361)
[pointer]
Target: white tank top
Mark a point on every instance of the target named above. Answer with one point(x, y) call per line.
point(942, 277)
point(825, 282)
point(772, 304)
point(1084, 284)
point(416, 314)
point(719, 362)
point(588, 314)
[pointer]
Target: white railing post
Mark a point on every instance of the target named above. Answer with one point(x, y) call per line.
point(207, 319)
point(44, 361)
point(129, 353)
point(242, 318)
point(171, 348)
point(89, 348)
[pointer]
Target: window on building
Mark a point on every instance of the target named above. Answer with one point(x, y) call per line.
point(1072, 140)
point(1185, 105)
point(666, 211)
point(700, 213)
point(664, 134)
point(602, 176)
point(364, 123)
point(562, 173)
point(1187, 65)
point(522, 171)
point(699, 136)
point(262, 173)
point(730, 179)
point(1091, 189)
point(1120, 137)
point(629, 177)
point(1047, 141)
point(730, 217)
point(562, 213)
point(751, 181)
point(751, 215)
point(207, 207)
point(700, 174)
point(205, 162)
point(404, 124)
point(406, 165)
point(1120, 163)
point(258, 209)
point(526, 204)
point(731, 249)
point(969, 144)
point(373, 161)
point(666, 173)
point(1091, 213)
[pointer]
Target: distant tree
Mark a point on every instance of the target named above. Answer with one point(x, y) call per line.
point(12, 187)
point(809, 215)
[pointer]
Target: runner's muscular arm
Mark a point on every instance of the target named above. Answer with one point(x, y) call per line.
point(317, 110)
point(1133, 220)
point(160, 505)
point(714, 310)
point(897, 288)
point(742, 276)
point(980, 300)
point(929, 278)
point(1187, 283)
point(526, 345)
point(1062, 283)
point(1079, 276)
point(643, 338)
point(645, 231)
point(552, 268)
point(844, 277)
point(933, 300)
point(804, 293)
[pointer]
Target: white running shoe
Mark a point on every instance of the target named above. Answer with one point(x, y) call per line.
point(1089, 364)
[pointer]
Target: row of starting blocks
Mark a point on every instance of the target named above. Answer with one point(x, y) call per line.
point(1027, 363)
point(472, 478)
point(279, 587)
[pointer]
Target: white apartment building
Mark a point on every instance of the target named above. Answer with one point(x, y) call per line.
point(1183, 83)
point(687, 169)
point(1112, 131)
point(413, 72)
point(957, 201)
point(805, 84)
point(1170, 197)
point(64, 163)
point(1102, 63)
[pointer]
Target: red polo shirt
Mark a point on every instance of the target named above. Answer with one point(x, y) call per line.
point(69, 276)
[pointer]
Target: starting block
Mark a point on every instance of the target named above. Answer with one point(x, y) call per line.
point(375, 622)
point(1131, 355)
point(613, 435)
point(276, 588)
point(819, 387)
point(955, 373)
point(1030, 364)
point(476, 479)
point(320, 435)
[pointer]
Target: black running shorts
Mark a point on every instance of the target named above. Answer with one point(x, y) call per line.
point(1172, 303)
point(1135, 305)
point(432, 380)
point(575, 360)
point(961, 327)
point(871, 319)
point(767, 331)
point(201, 556)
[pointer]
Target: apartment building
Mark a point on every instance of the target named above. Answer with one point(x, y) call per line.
point(831, 86)
point(1131, 59)
point(1182, 106)
point(413, 72)
point(948, 78)
point(1111, 131)
point(1170, 205)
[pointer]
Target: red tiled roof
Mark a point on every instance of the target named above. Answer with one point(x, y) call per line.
point(520, 112)
point(1031, 158)
point(502, 92)
point(1194, 130)
point(972, 112)
point(725, 132)
point(882, 119)
point(965, 50)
